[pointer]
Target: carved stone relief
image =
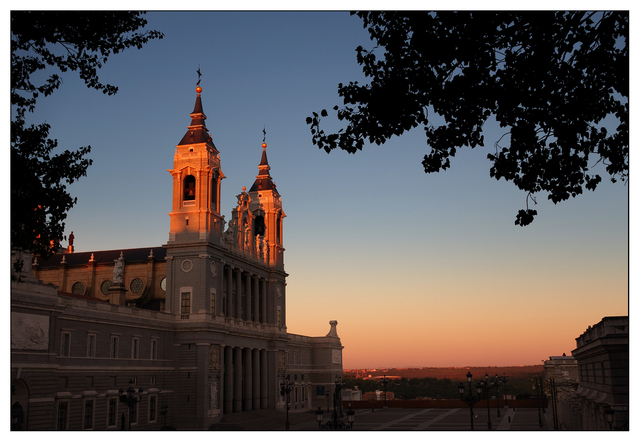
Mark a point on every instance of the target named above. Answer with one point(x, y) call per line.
point(280, 360)
point(29, 332)
point(214, 357)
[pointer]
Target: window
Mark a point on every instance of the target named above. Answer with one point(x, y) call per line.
point(213, 303)
point(77, 288)
point(65, 344)
point(154, 349)
point(189, 188)
point(214, 191)
point(136, 286)
point(153, 402)
point(91, 345)
point(259, 226)
point(88, 414)
point(113, 351)
point(278, 228)
point(112, 412)
point(135, 348)
point(153, 380)
point(105, 286)
point(62, 417)
point(279, 317)
point(185, 305)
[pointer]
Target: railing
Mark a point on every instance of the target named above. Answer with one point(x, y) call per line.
point(441, 403)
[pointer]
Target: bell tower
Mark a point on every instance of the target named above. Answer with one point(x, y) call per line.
point(195, 214)
point(266, 206)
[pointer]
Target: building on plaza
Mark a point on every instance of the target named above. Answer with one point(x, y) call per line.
point(199, 323)
point(594, 381)
point(561, 374)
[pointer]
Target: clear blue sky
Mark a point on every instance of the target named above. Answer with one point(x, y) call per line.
point(417, 269)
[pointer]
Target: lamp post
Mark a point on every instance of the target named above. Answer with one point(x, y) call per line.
point(497, 384)
point(487, 385)
point(285, 390)
point(384, 382)
point(130, 399)
point(505, 379)
point(334, 421)
point(470, 399)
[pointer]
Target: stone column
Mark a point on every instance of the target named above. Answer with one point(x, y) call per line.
point(229, 292)
point(221, 377)
point(256, 300)
point(228, 379)
point(237, 379)
point(255, 358)
point(248, 290)
point(264, 392)
point(238, 295)
point(247, 399)
point(263, 300)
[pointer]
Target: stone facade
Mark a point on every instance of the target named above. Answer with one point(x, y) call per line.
point(199, 324)
point(561, 375)
point(602, 352)
point(595, 379)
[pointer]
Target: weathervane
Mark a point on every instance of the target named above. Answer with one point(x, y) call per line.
point(264, 132)
point(199, 75)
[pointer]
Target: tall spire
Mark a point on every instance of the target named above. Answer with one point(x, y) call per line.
point(197, 132)
point(263, 179)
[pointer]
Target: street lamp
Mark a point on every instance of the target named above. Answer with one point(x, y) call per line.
point(497, 384)
point(384, 386)
point(285, 390)
point(505, 379)
point(488, 386)
point(334, 422)
point(470, 400)
point(130, 399)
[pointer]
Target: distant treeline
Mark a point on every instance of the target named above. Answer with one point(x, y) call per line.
point(426, 387)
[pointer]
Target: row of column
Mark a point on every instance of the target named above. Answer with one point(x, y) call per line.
point(255, 304)
point(245, 379)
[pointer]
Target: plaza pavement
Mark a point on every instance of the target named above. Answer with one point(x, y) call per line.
point(393, 419)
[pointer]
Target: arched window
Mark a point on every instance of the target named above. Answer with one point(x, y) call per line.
point(259, 227)
point(279, 228)
point(214, 191)
point(189, 188)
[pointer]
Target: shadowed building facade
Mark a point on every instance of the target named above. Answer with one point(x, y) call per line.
point(593, 383)
point(198, 323)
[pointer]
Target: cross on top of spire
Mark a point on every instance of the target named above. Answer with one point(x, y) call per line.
point(264, 138)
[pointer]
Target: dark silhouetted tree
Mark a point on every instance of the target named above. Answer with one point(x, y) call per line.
point(43, 44)
point(554, 80)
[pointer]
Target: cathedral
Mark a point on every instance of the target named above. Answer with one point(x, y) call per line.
point(173, 335)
